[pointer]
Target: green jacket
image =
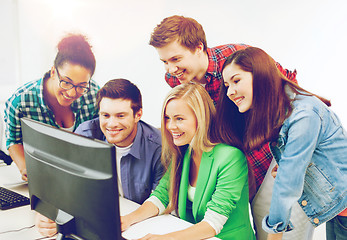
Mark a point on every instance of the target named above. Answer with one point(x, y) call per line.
point(222, 186)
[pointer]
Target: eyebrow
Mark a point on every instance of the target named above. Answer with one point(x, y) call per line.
point(176, 56)
point(234, 76)
point(177, 115)
point(103, 112)
point(72, 80)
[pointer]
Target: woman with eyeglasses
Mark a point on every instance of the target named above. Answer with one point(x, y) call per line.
point(64, 97)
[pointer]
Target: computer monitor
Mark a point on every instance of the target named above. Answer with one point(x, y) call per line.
point(72, 180)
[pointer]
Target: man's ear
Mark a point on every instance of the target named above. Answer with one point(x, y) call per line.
point(200, 48)
point(138, 115)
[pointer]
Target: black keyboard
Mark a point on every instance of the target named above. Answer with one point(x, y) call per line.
point(10, 199)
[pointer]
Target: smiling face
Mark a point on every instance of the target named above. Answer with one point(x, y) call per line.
point(239, 84)
point(183, 63)
point(117, 121)
point(180, 121)
point(70, 73)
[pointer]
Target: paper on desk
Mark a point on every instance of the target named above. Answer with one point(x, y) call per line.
point(11, 176)
point(157, 225)
point(153, 225)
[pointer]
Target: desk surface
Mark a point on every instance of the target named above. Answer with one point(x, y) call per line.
point(18, 223)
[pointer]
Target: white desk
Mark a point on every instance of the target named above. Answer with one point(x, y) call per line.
point(18, 222)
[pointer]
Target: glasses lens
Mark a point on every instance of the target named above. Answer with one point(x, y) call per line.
point(65, 85)
point(82, 90)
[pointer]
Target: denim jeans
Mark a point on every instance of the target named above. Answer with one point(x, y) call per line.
point(336, 228)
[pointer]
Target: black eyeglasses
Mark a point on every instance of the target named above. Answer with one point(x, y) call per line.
point(67, 85)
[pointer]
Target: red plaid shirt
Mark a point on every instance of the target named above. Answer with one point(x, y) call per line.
point(259, 160)
point(213, 75)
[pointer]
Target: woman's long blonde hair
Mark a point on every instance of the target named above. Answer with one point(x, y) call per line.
point(201, 104)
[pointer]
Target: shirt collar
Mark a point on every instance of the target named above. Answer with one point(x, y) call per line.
point(212, 69)
point(136, 147)
point(75, 106)
point(135, 150)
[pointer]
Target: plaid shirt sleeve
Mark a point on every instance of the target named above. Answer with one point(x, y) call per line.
point(13, 131)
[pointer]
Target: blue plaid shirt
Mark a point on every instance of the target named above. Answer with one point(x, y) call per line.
point(28, 101)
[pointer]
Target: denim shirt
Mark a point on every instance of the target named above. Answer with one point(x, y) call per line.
point(141, 168)
point(311, 152)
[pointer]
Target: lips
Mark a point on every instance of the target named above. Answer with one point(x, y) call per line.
point(114, 131)
point(179, 74)
point(67, 97)
point(238, 100)
point(176, 135)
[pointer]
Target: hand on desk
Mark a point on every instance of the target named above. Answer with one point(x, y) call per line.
point(45, 226)
point(23, 172)
point(17, 154)
point(125, 222)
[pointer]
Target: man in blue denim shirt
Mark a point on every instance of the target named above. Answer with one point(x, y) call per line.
point(138, 145)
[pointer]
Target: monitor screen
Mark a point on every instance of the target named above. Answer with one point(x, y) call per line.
point(72, 180)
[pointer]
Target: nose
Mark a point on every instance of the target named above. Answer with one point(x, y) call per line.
point(231, 91)
point(72, 92)
point(112, 122)
point(170, 125)
point(171, 68)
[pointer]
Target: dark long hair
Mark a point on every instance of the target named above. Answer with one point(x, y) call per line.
point(270, 105)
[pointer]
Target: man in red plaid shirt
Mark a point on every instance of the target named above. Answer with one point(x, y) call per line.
point(182, 47)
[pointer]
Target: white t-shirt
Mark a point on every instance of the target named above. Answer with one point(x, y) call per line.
point(120, 152)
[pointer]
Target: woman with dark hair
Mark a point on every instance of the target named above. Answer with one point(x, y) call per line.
point(206, 182)
point(259, 105)
point(64, 97)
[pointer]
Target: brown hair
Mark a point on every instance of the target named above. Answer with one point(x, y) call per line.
point(187, 31)
point(75, 49)
point(121, 88)
point(270, 105)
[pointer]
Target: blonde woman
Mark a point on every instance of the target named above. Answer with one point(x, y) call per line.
point(206, 182)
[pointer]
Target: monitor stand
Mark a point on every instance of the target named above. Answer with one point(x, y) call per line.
point(65, 226)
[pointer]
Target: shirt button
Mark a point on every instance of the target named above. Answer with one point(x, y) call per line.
point(316, 220)
point(304, 203)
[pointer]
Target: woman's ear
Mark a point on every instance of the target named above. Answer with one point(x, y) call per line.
point(52, 71)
